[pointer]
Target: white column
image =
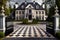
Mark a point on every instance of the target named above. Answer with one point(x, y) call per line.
point(44, 15)
point(25, 12)
point(15, 15)
point(41, 15)
point(18, 15)
point(4, 24)
point(38, 14)
point(57, 23)
point(56, 16)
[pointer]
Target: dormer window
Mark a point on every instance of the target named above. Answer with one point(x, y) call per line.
point(37, 7)
point(22, 6)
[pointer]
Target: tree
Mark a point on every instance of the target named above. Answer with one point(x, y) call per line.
point(2, 3)
point(58, 4)
point(7, 11)
point(51, 13)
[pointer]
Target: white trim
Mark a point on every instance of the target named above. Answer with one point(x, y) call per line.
point(44, 16)
point(29, 5)
point(41, 15)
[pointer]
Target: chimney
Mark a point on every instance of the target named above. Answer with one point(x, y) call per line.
point(34, 2)
point(25, 2)
point(16, 5)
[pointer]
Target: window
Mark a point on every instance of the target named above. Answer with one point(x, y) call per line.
point(19, 17)
point(36, 17)
point(36, 12)
point(39, 12)
point(30, 11)
point(19, 12)
point(22, 6)
point(22, 12)
point(26, 15)
point(42, 12)
point(37, 6)
point(42, 17)
point(16, 11)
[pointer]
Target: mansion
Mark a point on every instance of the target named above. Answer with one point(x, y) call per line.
point(30, 11)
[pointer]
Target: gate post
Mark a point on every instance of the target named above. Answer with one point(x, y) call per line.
point(56, 20)
point(2, 21)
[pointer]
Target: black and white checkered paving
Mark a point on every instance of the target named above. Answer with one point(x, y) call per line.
point(29, 31)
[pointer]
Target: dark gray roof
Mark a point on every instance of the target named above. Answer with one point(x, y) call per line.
point(34, 5)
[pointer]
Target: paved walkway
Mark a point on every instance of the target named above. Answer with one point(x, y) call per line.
point(29, 31)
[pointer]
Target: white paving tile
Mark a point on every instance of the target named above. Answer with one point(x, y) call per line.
point(32, 31)
point(37, 32)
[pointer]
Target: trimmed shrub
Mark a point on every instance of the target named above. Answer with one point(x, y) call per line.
point(1, 34)
point(25, 21)
point(35, 21)
point(58, 34)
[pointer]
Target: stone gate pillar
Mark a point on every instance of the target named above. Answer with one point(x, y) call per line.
point(56, 20)
point(2, 21)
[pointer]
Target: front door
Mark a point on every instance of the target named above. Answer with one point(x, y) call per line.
point(30, 14)
point(30, 17)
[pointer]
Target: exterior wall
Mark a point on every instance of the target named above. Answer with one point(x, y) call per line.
point(35, 13)
point(39, 14)
point(19, 14)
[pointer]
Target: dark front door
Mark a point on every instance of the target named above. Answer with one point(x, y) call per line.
point(30, 17)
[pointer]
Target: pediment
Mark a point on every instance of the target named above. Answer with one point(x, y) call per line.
point(29, 6)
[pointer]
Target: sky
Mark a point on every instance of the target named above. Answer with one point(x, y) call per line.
point(12, 2)
point(20, 1)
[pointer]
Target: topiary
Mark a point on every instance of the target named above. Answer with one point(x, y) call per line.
point(25, 21)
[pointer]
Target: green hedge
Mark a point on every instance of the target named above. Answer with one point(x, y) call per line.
point(59, 23)
point(1, 34)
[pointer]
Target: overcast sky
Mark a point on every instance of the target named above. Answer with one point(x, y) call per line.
point(12, 2)
point(20, 1)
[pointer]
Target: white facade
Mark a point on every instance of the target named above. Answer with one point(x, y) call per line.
point(30, 13)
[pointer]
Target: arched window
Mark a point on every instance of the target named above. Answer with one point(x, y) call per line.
point(30, 11)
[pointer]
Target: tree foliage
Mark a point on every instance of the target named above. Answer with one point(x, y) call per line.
point(51, 13)
point(7, 11)
point(3, 3)
point(58, 4)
